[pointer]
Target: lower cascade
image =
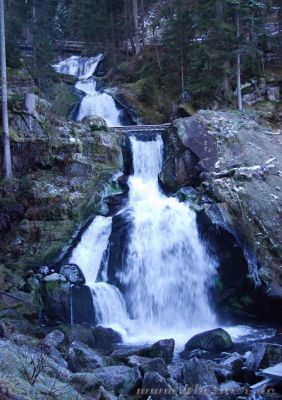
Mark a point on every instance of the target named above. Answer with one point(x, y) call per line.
point(162, 284)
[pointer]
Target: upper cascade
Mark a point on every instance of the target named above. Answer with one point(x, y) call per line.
point(93, 102)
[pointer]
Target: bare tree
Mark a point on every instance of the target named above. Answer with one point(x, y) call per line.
point(5, 118)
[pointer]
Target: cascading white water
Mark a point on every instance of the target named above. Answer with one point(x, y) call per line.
point(167, 270)
point(108, 301)
point(93, 102)
point(88, 254)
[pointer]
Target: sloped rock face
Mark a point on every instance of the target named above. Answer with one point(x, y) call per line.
point(239, 192)
point(264, 355)
point(61, 174)
point(189, 151)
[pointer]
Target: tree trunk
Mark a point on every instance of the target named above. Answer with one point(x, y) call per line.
point(181, 52)
point(136, 25)
point(143, 22)
point(113, 37)
point(126, 28)
point(239, 92)
point(5, 119)
point(226, 84)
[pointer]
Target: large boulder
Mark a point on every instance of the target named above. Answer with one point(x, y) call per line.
point(214, 340)
point(198, 372)
point(82, 358)
point(55, 295)
point(164, 349)
point(233, 363)
point(190, 150)
point(96, 123)
point(146, 364)
point(78, 332)
point(106, 339)
point(264, 355)
point(82, 307)
point(119, 379)
point(53, 339)
point(156, 386)
point(123, 352)
point(73, 274)
point(156, 364)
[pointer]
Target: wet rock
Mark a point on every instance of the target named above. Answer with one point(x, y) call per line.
point(31, 284)
point(198, 372)
point(264, 355)
point(273, 93)
point(234, 363)
point(44, 270)
point(122, 353)
point(154, 383)
point(53, 353)
point(194, 136)
point(73, 274)
point(221, 373)
point(136, 361)
point(55, 295)
point(198, 353)
point(164, 349)
point(248, 376)
point(95, 123)
point(231, 387)
point(156, 364)
point(82, 358)
point(119, 379)
point(2, 329)
point(189, 151)
point(77, 332)
point(274, 301)
point(81, 305)
point(53, 339)
point(175, 370)
point(106, 339)
point(215, 339)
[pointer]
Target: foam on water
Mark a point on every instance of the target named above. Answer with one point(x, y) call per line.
point(93, 103)
point(166, 274)
point(89, 252)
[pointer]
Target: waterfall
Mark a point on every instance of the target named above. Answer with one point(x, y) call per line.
point(94, 102)
point(89, 253)
point(167, 269)
point(165, 276)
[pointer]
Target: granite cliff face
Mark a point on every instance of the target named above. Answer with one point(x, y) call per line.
point(234, 161)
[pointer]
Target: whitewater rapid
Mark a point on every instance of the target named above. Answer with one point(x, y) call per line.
point(93, 102)
point(166, 275)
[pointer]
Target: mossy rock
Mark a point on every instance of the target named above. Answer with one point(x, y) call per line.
point(95, 123)
point(215, 339)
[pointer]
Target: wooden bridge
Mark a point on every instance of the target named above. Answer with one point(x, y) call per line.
point(141, 128)
point(69, 46)
point(73, 46)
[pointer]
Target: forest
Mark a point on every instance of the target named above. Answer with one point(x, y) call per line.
point(190, 46)
point(140, 200)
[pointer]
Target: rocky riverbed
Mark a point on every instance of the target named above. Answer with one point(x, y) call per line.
point(90, 362)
